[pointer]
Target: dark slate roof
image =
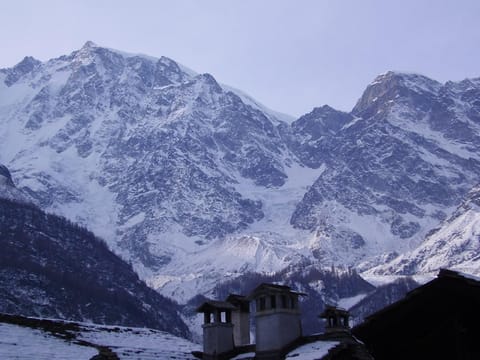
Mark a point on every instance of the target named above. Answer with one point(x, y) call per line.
point(331, 310)
point(236, 298)
point(240, 301)
point(436, 320)
point(266, 289)
point(210, 305)
point(444, 274)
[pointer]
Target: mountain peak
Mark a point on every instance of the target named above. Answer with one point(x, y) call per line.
point(28, 61)
point(89, 45)
point(209, 80)
point(167, 61)
point(322, 110)
point(86, 53)
point(411, 80)
point(393, 86)
point(27, 65)
point(322, 119)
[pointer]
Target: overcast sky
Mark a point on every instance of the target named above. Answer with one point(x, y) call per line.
point(290, 55)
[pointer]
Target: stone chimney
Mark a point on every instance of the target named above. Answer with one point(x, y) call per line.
point(277, 318)
point(337, 319)
point(217, 328)
point(240, 319)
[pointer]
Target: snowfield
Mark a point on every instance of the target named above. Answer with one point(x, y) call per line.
point(22, 342)
point(315, 350)
point(18, 342)
point(139, 343)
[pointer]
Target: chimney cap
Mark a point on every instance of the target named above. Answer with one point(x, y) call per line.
point(270, 289)
point(331, 310)
point(211, 305)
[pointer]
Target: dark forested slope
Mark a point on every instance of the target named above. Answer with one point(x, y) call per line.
point(51, 267)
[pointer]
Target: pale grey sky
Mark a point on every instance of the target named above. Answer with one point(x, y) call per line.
point(290, 55)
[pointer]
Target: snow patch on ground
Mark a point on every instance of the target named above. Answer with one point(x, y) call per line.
point(138, 343)
point(21, 342)
point(313, 351)
point(18, 342)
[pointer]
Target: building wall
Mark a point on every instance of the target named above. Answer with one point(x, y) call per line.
point(217, 338)
point(276, 329)
point(241, 328)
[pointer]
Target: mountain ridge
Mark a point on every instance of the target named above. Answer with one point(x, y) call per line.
point(454, 244)
point(173, 169)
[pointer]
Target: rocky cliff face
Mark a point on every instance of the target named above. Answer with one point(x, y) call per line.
point(454, 244)
point(151, 147)
point(8, 190)
point(393, 172)
point(185, 177)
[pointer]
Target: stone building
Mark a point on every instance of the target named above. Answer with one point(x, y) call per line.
point(277, 318)
point(217, 328)
point(336, 318)
point(438, 320)
point(278, 329)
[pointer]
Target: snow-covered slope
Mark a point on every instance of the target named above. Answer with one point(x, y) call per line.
point(18, 342)
point(30, 338)
point(455, 244)
point(192, 181)
point(171, 168)
point(394, 168)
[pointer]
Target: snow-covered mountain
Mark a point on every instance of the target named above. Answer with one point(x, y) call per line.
point(455, 244)
point(394, 168)
point(193, 181)
point(168, 166)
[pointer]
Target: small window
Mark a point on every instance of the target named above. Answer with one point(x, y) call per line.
point(262, 303)
point(294, 302)
point(273, 301)
point(207, 318)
